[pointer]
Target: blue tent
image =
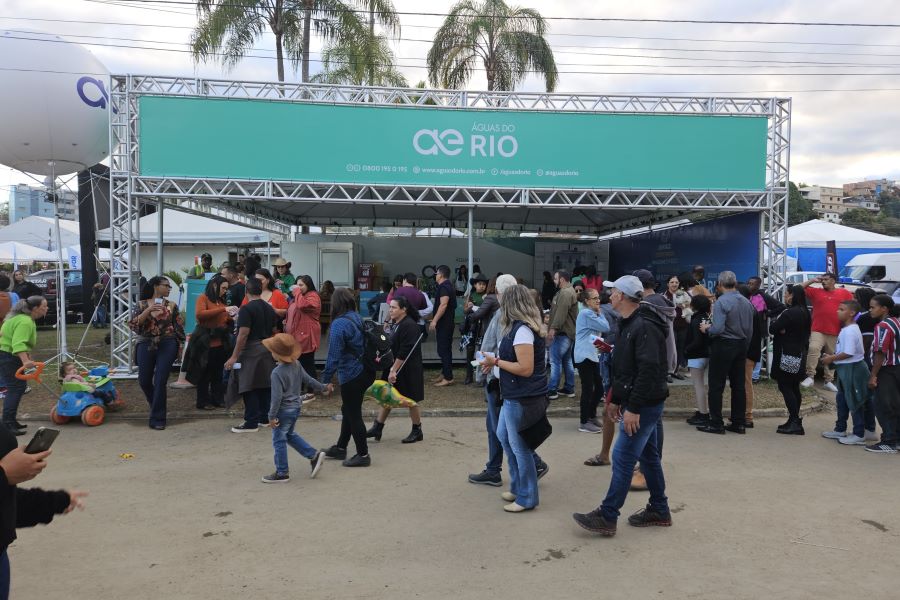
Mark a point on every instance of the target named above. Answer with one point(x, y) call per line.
point(806, 242)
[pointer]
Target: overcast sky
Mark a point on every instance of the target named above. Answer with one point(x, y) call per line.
point(839, 132)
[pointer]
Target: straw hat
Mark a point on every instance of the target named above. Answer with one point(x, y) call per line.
point(281, 263)
point(283, 346)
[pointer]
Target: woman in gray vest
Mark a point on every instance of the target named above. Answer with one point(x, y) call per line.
point(521, 369)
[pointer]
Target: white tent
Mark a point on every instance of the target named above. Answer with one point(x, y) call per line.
point(17, 252)
point(187, 228)
point(440, 232)
point(813, 234)
point(41, 233)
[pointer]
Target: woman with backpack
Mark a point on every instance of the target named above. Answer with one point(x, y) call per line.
point(406, 373)
point(346, 348)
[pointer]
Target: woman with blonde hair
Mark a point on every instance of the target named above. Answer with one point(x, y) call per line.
point(520, 367)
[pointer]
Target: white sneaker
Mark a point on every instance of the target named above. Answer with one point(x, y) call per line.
point(808, 382)
point(871, 436)
point(830, 387)
point(834, 435)
point(852, 440)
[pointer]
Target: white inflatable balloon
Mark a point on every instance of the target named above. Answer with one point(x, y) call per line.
point(53, 104)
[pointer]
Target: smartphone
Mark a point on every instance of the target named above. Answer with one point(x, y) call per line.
point(157, 301)
point(42, 440)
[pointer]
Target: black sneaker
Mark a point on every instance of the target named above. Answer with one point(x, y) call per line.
point(542, 469)
point(276, 478)
point(698, 418)
point(336, 452)
point(650, 518)
point(13, 429)
point(567, 394)
point(358, 461)
point(486, 478)
point(880, 447)
point(245, 428)
point(20, 425)
point(315, 464)
point(594, 522)
point(553, 395)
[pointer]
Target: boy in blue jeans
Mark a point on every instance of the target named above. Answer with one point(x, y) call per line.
point(288, 378)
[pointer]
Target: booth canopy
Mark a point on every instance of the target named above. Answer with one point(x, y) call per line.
point(186, 228)
point(17, 252)
point(40, 233)
point(813, 234)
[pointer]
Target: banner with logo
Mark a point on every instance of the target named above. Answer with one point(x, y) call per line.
point(444, 147)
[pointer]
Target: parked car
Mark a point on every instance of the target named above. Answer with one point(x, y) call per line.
point(794, 277)
point(46, 280)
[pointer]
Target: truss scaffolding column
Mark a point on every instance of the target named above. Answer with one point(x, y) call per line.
point(471, 243)
point(160, 268)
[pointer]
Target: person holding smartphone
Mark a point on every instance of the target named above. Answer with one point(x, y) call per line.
point(25, 507)
point(18, 337)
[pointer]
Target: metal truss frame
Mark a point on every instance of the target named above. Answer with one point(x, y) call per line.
point(258, 204)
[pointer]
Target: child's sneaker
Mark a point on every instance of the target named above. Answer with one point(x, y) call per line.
point(276, 478)
point(315, 464)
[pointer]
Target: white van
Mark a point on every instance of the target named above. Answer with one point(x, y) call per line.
point(864, 268)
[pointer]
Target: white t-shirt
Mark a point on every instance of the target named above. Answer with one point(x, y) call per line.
point(524, 335)
point(849, 342)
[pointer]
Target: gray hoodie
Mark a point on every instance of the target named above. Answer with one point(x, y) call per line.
point(665, 309)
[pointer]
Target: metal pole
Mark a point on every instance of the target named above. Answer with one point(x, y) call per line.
point(471, 242)
point(60, 275)
point(159, 238)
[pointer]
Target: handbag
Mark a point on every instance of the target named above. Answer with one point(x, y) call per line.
point(790, 364)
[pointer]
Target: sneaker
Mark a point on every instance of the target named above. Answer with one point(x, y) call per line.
point(245, 428)
point(486, 478)
point(552, 396)
point(871, 436)
point(698, 418)
point(542, 469)
point(852, 440)
point(263, 423)
point(808, 382)
point(830, 386)
point(13, 429)
point(276, 478)
point(336, 452)
point(20, 425)
point(882, 448)
point(315, 464)
point(358, 461)
point(834, 435)
point(567, 394)
point(650, 518)
point(589, 428)
point(594, 522)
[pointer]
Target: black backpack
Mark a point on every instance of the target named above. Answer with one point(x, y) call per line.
point(377, 354)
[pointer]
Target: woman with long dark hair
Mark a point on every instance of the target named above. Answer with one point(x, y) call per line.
point(345, 347)
point(271, 294)
point(18, 337)
point(210, 344)
point(303, 322)
point(791, 343)
point(406, 346)
point(160, 330)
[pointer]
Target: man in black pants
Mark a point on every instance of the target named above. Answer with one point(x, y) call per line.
point(442, 323)
point(730, 333)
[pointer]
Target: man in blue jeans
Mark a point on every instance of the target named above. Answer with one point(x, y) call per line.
point(561, 336)
point(639, 391)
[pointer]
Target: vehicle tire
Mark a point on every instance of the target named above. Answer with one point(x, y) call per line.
point(93, 415)
point(57, 418)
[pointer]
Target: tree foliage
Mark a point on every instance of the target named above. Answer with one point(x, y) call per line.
point(507, 41)
point(349, 63)
point(800, 210)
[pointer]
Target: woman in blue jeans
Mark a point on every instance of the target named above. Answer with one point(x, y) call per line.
point(160, 331)
point(522, 372)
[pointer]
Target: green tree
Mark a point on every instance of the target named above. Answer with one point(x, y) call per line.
point(859, 218)
point(508, 41)
point(800, 210)
point(349, 63)
point(227, 29)
point(384, 12)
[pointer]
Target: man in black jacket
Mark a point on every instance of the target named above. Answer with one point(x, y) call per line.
point(639, 391)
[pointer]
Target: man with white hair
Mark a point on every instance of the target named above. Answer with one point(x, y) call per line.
point(491, 343)
point(729, 337)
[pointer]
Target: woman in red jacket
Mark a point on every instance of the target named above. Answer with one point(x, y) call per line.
point(303, 322)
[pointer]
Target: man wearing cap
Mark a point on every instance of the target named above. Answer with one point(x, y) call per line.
point(205, 266)
point(639, 391)
point(729, 337)
point(561, 336)
point(471, 327)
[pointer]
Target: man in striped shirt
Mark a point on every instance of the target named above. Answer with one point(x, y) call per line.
point(885, 378)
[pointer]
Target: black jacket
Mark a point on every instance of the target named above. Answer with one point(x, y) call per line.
point(639, 363)
point(24, 507)
point(697, 343)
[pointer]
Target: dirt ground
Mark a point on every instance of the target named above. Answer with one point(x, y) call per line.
point(761, 515)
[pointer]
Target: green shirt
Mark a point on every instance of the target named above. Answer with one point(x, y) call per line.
point(18, 334)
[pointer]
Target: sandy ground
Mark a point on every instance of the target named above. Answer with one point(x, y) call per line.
point(755, 516)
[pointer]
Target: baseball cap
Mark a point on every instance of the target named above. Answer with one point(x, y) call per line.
point(629, 285)
point(646, 278)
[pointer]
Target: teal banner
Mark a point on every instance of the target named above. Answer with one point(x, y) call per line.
point(443, 147)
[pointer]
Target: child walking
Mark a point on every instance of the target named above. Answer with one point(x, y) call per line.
point(852, 375)
point(288, 378)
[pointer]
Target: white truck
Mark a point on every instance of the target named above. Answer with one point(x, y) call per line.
point(865, 268)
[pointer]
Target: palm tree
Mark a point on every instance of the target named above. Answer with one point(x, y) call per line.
point(507, 40)
point(232, 26)
point(371, 63)
point(387, 15)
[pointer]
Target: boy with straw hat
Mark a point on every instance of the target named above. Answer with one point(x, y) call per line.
point(288, 378)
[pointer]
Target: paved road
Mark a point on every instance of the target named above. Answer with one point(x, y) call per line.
point(188, 518)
